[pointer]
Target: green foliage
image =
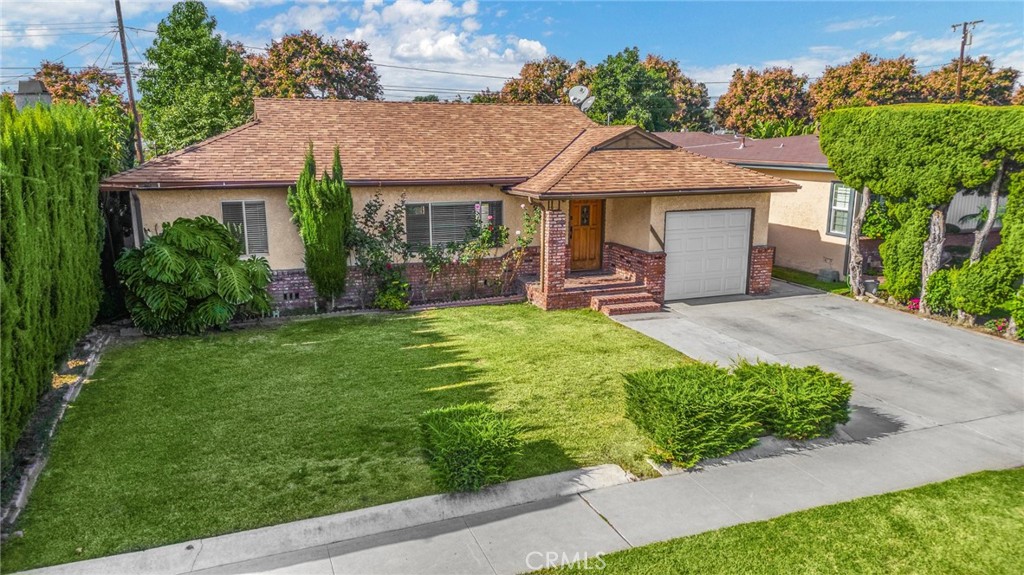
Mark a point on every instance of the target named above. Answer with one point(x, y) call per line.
point(985, 284)
point(50, 238)
point(780, 128)
point(1016, 308)
point(902, 253)
point(940, 291)
point(469, 446)
point(393, 291)
point(878, 222)
point(982, 82)
point(378, 239)
point(866, 81)
point(692, 412)
point(193, 88)
point(796, 402)
point(322, 210)
point(189, 278)
point(630, 93)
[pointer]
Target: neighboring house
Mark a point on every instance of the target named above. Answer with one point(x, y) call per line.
point(811, 228)
point(628, 219)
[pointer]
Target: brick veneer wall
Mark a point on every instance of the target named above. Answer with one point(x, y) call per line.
point(636, 265)
point(761, 260)
point(554, 263)
point(291, 289)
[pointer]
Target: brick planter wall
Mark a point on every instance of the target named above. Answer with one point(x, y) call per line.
point(291, 289)
point(761, 260)
point(636, 265)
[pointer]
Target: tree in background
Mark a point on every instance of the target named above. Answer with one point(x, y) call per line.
point(628, 92)
point(427, 98)
point(485, 96)
point(50, 238)
point(67, 87)
point(305, 65)
point(1018, 97)
point(192, 89)
point(545, 81)
point(693, 111)
point(322, 211)
point(982, 83)
point(866, 81)
point(770, 95)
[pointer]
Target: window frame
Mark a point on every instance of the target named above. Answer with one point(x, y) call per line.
point(245, 225)
point(485, 208)
point(832, 209)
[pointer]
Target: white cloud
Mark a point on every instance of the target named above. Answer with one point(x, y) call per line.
point(470, 25)
point(858, 24)
point(298, 18)
point(1001, 42)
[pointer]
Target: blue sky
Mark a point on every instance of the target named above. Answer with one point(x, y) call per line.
point(709, 39)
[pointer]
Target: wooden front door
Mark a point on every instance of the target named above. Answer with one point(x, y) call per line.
point(586, 222)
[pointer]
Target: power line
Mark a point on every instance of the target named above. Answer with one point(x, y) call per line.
point(78, 33)
point(57, 25)
point(62, 56)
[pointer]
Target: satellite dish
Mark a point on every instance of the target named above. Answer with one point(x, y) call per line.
point(586, 104)
point(577, 94)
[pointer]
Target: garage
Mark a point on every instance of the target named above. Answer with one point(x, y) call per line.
point(707, 253)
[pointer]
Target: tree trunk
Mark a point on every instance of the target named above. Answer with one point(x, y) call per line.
point(932, 252)
point(981, 234)
point(1011, 330)
point(855, 274)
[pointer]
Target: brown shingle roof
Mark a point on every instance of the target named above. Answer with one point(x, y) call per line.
point(584, 168)
point(792, 151)
point(390, 142)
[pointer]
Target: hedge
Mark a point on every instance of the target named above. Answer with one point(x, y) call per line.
point(796, 402)
point(50, 160)
point(469, 446)
point(692, 412)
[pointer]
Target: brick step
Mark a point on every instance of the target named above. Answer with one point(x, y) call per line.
point(634, 307)
point(599, 301)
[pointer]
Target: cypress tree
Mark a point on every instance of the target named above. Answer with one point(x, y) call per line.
point(322, 211)
point(50, 247)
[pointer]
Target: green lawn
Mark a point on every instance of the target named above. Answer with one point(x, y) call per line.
point(810, 280)
point(973, 524)
point(197, 436)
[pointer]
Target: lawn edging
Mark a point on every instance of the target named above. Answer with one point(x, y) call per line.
point(241, 546)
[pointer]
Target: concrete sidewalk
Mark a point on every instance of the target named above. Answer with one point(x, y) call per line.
point(955, 400)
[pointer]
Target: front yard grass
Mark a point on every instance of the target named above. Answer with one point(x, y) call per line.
point(972, 524)
point(189, 437)
point(810, 280)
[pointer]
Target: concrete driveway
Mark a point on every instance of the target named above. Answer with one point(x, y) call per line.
point(921, 372)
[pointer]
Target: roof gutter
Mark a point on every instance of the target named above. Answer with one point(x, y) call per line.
point(649, 193)
point(109, 186)
point(769, 166)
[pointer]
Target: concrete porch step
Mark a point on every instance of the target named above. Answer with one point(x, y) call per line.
point(602, 300)
point(628, 308)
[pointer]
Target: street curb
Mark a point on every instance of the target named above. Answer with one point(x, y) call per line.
point(245, 545)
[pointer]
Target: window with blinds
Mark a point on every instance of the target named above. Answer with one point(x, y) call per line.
point(442, 223)
point(248, 221)
point(840, 212)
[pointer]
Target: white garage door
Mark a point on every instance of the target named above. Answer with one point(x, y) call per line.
point(706, 253)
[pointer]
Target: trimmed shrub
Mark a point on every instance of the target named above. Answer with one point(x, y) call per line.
point(692, 412)
point(795, 402)
point(940, 291)
point(985, 284)
point(469, 446)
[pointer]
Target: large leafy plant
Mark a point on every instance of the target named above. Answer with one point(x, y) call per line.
point(190, 278)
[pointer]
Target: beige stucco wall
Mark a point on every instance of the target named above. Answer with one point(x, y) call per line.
point(627, 222)
point(798, 221)
point(758, 201)
point(159, 206)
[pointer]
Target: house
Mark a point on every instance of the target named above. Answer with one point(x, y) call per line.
point(628, 221)
point(810, 229)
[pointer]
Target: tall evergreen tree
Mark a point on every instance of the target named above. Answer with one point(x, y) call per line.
point(322, 210)
point(193, 87)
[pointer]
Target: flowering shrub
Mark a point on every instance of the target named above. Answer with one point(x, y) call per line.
point(393, 290)
point(999, 325)
point(511, 265)
point(914, 304)
point(379, 240)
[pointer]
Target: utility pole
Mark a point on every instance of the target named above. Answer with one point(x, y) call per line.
point(965, 29)
point(128, 80)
